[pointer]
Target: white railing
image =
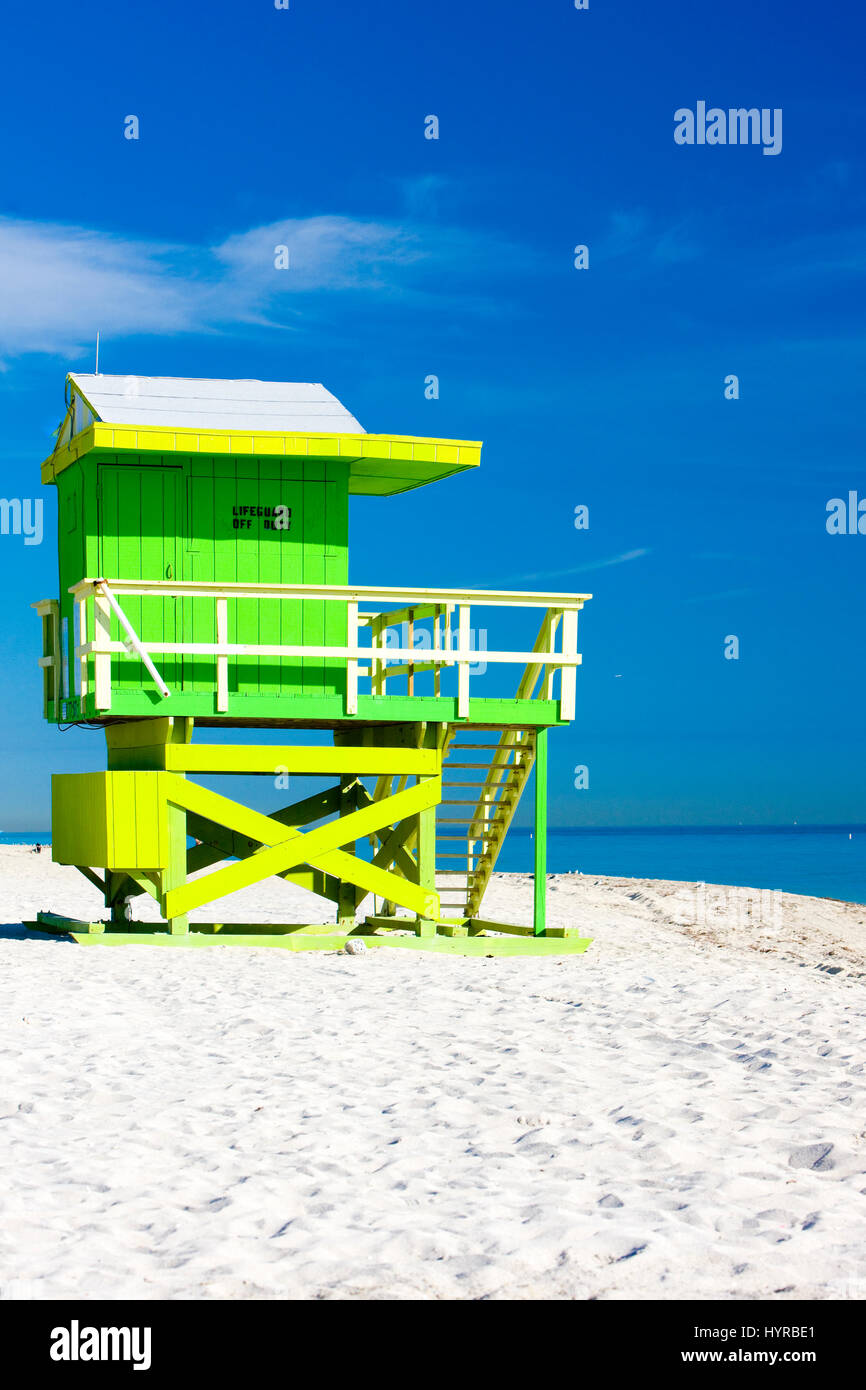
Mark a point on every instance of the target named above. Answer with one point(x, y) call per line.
point(448, 642)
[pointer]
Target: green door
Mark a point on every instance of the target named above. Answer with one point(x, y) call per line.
point(139, 526)
point(233, 536)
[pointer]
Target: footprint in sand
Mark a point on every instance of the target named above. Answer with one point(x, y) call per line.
point(814, 1156)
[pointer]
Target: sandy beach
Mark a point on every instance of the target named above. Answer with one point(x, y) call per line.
point(678, 1113)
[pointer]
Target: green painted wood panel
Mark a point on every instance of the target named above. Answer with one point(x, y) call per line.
point(71, 556)
point(211, 519)
point(139, 510)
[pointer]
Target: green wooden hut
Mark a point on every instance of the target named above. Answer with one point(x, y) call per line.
point(203, 557)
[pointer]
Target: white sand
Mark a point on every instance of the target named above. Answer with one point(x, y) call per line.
point(678, 1113)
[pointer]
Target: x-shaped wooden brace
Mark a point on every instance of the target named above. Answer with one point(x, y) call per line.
point(217, 843)
point(393, 840)
point(286, 848)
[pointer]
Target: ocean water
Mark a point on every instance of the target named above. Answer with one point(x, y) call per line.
point(822, 861)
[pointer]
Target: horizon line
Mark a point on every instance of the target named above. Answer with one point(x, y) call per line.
point(848, 826)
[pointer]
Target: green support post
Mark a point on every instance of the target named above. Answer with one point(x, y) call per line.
point(540, 906)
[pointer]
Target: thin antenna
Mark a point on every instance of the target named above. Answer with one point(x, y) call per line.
point(97, 352)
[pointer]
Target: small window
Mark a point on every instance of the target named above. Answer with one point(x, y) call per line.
point(83, 415)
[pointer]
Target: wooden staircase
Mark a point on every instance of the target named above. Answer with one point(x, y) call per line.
point(483, 777)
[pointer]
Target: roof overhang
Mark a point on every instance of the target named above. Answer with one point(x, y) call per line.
point(380, 465)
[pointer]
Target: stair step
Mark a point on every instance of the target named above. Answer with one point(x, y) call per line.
point(471, 820)
point(457, 802)
point(483, 767)
point(491, 747)
point(504, 770)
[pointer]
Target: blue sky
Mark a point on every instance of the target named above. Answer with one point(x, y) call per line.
point(455, 257)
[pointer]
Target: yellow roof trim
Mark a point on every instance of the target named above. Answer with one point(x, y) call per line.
point(375, 454)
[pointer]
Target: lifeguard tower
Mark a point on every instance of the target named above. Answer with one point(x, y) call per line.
point(203, 584)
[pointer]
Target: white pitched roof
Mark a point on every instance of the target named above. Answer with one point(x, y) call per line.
point(198, 403)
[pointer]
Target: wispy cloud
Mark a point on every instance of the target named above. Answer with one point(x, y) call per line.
point(634, 235)
point(835, 252)
point(622, 559)
point(60, 283)
point(725, 593)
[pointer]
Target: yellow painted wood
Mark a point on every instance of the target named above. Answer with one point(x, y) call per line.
point(224, 811)
point(210, 806)
point(372, 879)
point(140, 824)
point(347, 888)
point(217, 844)
point(479, 924)
point(266, 759)
point(426, 833)
point(544, 642)
point(145, 732)
point(93, 934)
point(175, 873)
point(153, 886)
point(114, 820)
point(93, 878)
point(393, 851)
point(412, 460)
point(290, 848)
